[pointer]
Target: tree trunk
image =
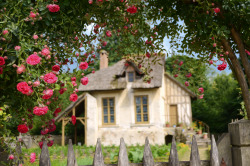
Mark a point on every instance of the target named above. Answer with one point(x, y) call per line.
point(239, 75)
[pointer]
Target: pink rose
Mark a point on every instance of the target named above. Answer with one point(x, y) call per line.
point(83, 65)
point(214, 45)
point(211, 62)
point(132, 9)
point(50, 78)
point(217, 10)
point(181, 62)
point(201, 90)
point(45, 131)
point(53, 8)
point(84, 80)
point(104, 43)
point(222, 66)
point(36, 83)
point(73, 97)
point(73, 78)
point(17, 48)
point(50, 143)
point(20, 69)
point(47, 93)
point(176, 75)
point(22, 128)
point(5, 32)
point(148, 54)
point(35, 37)
point(201, 96)
point(56, 68)
point(11, 157)
point(32, 157)
point(2, 61)
point(187, 83)
point(188, 75)
point(40, 110)
point(33, 59)
point(73, 119)
point(23, 87)
point(45, 52)
point(108, 33)
point(90, 1)
point(32, 15)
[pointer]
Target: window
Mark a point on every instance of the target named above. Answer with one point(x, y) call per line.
point(108, 105)
point(141, 109)
point(130, 76)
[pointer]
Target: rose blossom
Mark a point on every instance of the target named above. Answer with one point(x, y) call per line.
point(211, 62)
point(73, 119)
point(187, 83)
point(44, 132)
point(56, 68)
point(2, 61)
point(222, 66)
point(188, 75)
point(53, 8)
point(23, 87)
point(217, 10)
point(108, 33)
point(17, 48)
point(50, 143)
point(41, 144)
point(181, 62)
point(45, 52)
point(132, 9)
point(35, 37)
point(84, 80)
point(33, 59)
point(32, 15)
point(40, 110)
point(90, 1)
point(73, 78)
point(5, 32)
point(20, 69)
point(32, 157)
point(148, 54)
point(50, 78)
point(83, 65)
point(47, 93)
point(73, 97)
point(11, 157)
point(36, 83)
point(22, 128)
point(201, 90)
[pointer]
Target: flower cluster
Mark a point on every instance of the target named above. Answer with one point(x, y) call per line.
point(40, 110)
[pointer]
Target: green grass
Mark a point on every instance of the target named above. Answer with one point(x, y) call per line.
point(84, 155)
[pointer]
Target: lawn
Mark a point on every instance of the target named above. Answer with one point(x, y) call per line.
point(84, 155)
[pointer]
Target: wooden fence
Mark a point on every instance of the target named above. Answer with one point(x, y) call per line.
point(147, 156)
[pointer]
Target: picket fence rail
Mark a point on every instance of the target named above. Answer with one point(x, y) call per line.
point(147, 156)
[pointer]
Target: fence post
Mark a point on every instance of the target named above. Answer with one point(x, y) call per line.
point(123, 156)
point(173, 158)
point(71, 161)
point(44, 157)
point(214, 154)
point(194, 156)
point(19, 152)
point(148, 159)
point(98, 158)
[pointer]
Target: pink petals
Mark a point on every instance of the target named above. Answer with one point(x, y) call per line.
point(53, 8)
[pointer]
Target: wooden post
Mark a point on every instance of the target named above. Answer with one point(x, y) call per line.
point(75, 134)
point(214, 154)
point(63, 142)
point(71, 161)
point(44, 157)
point(148, 159)
point(98, 158)
point(173, 158)
point(194, 156)
point(123, 156)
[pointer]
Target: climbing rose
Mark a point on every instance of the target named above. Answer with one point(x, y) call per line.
point(5, 32)
point(56, 68)
point(53, 8)
point(211, 62)
point(201, 96)
point(47, 94)
point(176, 75)
point(22, 128)
point(84, 80)
point(40, 110)
point(108, 33)
point(35, 37)
point(83, 65)
point(73, 119)
point(58, 110)
point(50, 78)
point(2, 61)
point(45, 52)
point(33, 59)
point(201, 90)
point(11, 157)
point(36, 83)
point(32, 157)
point(41, 144)
point(188, 75)
point(73, 97)
point(62, 90)
point(222, 66)
point(32, 15)
point(20, 69)
point(73, 78)
point(50, 143)
point(248, 52)
point(214, 45)
point(44, 132)
point(148, 54)
point(17, 48)
point(132, 9)
point(187, 83)
point(23, 87)
point(104, 43)
point(90, 1)
point(217, 10)
point(180, 63)
point(1, 70)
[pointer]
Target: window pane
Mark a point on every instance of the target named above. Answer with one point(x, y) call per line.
point(111, 102)
point(145, 99)
point(111, 110)
point(138, 100)
point(145, 108)
point(130, 76)
point(145, 117)
point(138, 117)
point(112, 119)
point(138, 109)
point(105, 119)
point(105, 103)
point(105, 110)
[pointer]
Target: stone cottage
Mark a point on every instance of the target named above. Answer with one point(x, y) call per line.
point(117, 103)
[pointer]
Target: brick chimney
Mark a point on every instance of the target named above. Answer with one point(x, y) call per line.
point(104, 62)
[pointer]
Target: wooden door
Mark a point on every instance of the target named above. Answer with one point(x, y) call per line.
point(173, 115)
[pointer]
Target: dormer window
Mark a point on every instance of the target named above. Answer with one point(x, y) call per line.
point(131, 76)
